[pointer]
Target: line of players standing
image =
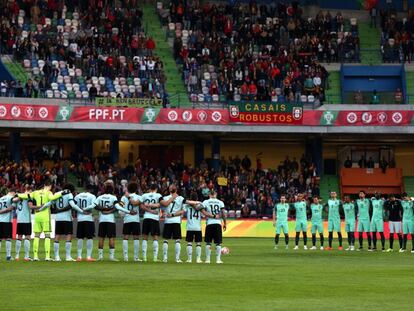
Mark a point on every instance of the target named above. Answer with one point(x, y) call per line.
point(368, 214)
point(154, 205)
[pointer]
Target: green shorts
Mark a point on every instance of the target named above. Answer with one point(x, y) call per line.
point(408, 227)
point(334, 225)
point(301, 225)
point(317, 226)
point(42, 225)
point(350, 226)
point(377, 225)
point(363, 225)
point(282, 226)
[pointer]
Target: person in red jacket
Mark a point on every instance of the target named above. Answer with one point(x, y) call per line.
point(150, 45)
point(252, 91)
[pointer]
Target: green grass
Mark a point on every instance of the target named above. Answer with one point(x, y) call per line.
point(253, 277)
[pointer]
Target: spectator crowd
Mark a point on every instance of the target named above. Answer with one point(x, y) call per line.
point(71, 46)
point(263, 52)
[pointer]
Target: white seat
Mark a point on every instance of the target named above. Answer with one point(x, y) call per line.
point(88, 86)
point(171, 26)
point(62, 64)
point(49, 94)
point(48, 22)
point(20, 21)
point(122, 59)
point(68, 22)
point(303, 98)
point(184, 32)
point(71, 72)
point(94, 80)
point(131, 88)
point(101, 80)
point(54, 86)
point(118, 88)
point(206, 76)
point(55, 63)
point(66, 79)
point(75, 23)
point(203, 83)
point(115, 31)
point(56, 94)
point(78, 72)
point(78, 94)
point(137, 81)
point(112, 94)
point(201, 97)
point(215, 98)
point(105, 94)
point(64, 94)
point(59, 79)
point(41, 63)
point(25, 34)
point(353, 21)
point(274, 98)
point(76, 15)
point(22, 13)
point(237, 97)
point(125, 89)
point(122, 81)
point(26, 63)
point(205, 90)
point(311, 99)
point(85, 94)
point(69, 87)
point(76, 87)
point(36, 71)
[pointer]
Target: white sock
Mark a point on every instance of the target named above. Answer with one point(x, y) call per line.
point(56, 249)
point(218, 252)
point(89, 247)
point(189, 251)
point(125, 248)
point(136, 249)
point(0, 245)
point(18, 246)
point(100, 253)
point(68, 248)
point(144, 249)
point(80, 247)
point(177, 250)
point(165, 250)
point(111, 253)
point(198, 251)
point(155, 248)
point(26, 248)
point(8, 248)
point(208, 252)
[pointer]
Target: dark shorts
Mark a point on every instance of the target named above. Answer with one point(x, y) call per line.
point(85, 230)
point(107, 230)
point(64, 227)
point(194, 236)
point(24, 229)
point(131, 228)
point(151, 226)
point(172, 231)
point(213, 233)
point(6, 230)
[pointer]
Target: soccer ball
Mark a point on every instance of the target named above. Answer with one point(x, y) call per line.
point(225, 250)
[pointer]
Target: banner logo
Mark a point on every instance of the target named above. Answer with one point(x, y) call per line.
point(351, 117)
point(297, 113)
point(43, 112)
point(29, 112)
point(150, 115)
point(202, 116)
point(172, 115)
point(187, 116)
point(15, 112)
point(397, 117)
point(64, 113)
point(216, 116)
point(3, 111)
point(382, 117)
point(328, 117)
point(367, 117)
point(234, 111)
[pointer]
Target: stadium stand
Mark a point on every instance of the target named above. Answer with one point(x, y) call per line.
point(257, 52)
point(72, 52)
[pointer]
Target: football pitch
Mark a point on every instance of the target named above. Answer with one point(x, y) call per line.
point(254, 276)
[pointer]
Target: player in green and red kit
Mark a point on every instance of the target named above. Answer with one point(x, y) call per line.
point(42, 220)
point(363, 207)
point(408, 221)
point(349, 211)
point(317, 221)
point(301, 221)
point(280, 220)
point(377, 220)
point(334, 219)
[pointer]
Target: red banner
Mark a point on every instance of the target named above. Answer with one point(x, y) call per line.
point(266, 118)
point(193, 116)
point(28, 112)
point(374, 118)
point(108, 114)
